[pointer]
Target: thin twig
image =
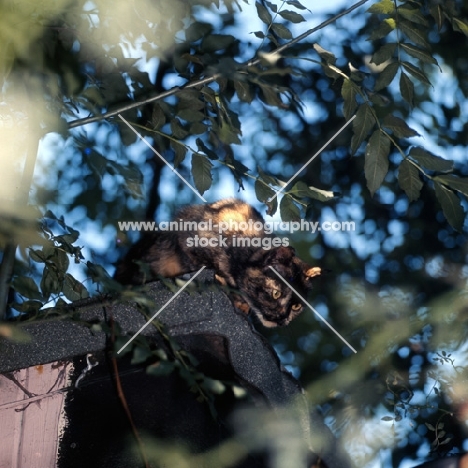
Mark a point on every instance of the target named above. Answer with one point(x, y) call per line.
point(121, 395)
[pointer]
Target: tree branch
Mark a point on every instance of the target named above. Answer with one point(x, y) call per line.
point(209, 79)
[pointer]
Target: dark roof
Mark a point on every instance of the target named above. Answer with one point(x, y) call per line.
point(191, 314)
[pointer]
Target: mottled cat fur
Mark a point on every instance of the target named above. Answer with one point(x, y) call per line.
point(246, 268)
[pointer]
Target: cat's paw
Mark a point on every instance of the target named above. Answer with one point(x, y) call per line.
point(236, 300)
point(241, 305)
point(220, 280)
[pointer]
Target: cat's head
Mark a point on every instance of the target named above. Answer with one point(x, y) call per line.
point(273, 301)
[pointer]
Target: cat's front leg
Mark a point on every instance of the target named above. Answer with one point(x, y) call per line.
point(237, 300)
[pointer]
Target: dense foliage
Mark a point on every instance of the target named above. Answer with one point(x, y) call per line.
point(239, 96)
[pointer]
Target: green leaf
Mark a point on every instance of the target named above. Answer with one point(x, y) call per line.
point(262, 191)
point(237, 168)
point(27, 287)
point(430, 161)
point(197, 30)
point(263, 13)
point(97, 163)
point(49, 282)
point(379, 99)
point(228, 134)
point(331, 71)
point(415, 33)
point(29, 307)
point(263, 194)
point(438, 15)
point(180, 150)
point(416, 72)
point(198, 128)
point(191, 115)
point(272, 38)
point(321, 195)
point(445, 441)
point(407, 89)
point(362, 125)
point(207, 150)
point(271, 96)
point(349, 93)
point(398, 126)
point(413, 15)
point(68, 238)
point(288, 210)
point(460, 184)
point(178, 131)
point(49, 251)
point(190, 99)
point(61, 261)
point(384, 53)
point(37, 256)
point(451, 206)
point(161, 368)
point(99, 275)
point(301, 190)
point(271, 6)
point(73, 289)
point(296, 4)
point(384, 7)
point(244, 91)
point(376, 160)
point(291, 16)
point(386, 76)
point(460, 25)
point(201, 172)
point(384, 28)
point(408, 178)
point(327, 56)
point(214, 386)
point(270, 180)
point(215, 42)
point(140, 355)
point(131, 175)
point(282, 31)
point(418, 53)
point(158, 118)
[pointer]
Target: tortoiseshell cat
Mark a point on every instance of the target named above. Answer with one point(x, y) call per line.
point(244, 268)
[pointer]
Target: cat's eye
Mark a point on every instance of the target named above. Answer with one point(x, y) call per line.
point(276, 294)
point(296, 307)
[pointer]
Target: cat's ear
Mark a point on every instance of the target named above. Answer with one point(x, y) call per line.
point(281, 255)
point(276, 255)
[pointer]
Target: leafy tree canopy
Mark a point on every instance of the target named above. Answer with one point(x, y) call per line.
point(240, 95)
